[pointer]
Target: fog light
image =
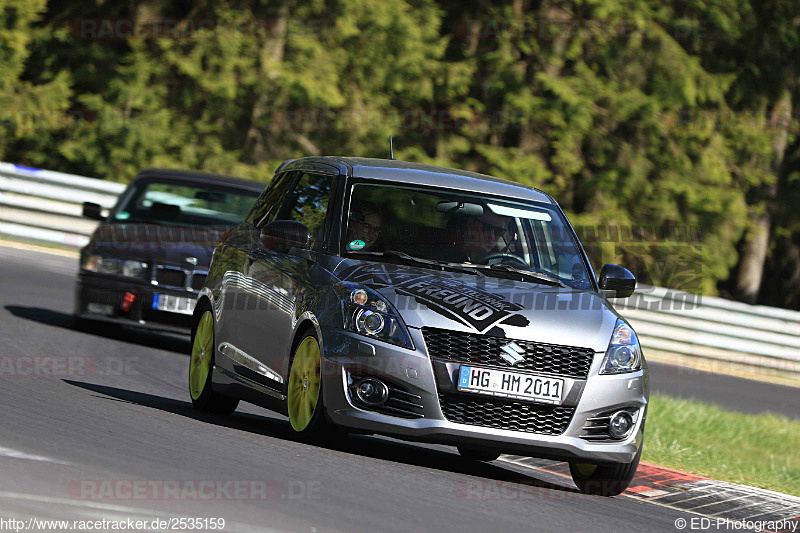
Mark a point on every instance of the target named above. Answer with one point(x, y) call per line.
point(372, 391)
point(620, 425)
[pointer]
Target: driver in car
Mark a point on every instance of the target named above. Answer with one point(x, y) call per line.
point(482, 235)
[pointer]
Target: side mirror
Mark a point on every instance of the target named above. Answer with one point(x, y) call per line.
point(93, 211)
point(282, 235)
point(617, 280)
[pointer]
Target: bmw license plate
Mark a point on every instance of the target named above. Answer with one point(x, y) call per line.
point(511, 384)
point(174, 304)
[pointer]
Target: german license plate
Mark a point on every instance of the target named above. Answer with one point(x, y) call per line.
point(174, 304)
point(511, 384)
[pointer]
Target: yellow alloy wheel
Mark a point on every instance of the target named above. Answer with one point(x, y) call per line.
point(202, 349)
point(304, 384)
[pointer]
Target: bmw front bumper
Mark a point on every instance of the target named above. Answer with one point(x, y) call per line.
point(100, 297)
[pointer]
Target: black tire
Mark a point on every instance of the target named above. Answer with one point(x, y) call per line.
point(210, 401)
point(604, 479)
point(475, 454)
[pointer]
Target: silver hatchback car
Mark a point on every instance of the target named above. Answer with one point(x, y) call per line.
point(425, 303)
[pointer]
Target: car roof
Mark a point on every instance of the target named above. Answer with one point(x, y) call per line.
point(200, 176)
point(423, 174)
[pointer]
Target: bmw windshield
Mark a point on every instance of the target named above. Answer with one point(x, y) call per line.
point(185, 204)
point(493, 235)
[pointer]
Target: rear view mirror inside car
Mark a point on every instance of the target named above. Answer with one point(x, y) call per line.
point(461, 208)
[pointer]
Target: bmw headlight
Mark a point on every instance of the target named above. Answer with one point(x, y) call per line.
point(90, 262)
point(624, 353)
point(103, 264)
point(133, 269)
point(367, 313)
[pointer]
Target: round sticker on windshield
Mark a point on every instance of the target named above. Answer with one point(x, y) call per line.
point(356, 245)
point(123, 215)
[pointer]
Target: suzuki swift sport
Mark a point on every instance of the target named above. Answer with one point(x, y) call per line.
point(425, 303)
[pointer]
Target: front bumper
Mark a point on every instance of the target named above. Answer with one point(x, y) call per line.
point(100, 297)
point(347, 358)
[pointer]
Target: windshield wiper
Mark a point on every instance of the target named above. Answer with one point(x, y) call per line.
point(396, 254)
point(535, 276)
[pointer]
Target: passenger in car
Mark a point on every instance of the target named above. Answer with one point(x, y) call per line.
point(364, 226)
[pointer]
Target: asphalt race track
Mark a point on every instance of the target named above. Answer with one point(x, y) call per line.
point(111, 427)
point(734, 393)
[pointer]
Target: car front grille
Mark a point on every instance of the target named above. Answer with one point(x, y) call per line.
point(177, 278)
point(485, 350)
point(197, 281)
point(504, 414)
point(170, 277)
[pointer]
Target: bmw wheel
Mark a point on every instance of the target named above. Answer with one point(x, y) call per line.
point(200, 369)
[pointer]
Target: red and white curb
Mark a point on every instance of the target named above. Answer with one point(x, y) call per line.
point(697, 494)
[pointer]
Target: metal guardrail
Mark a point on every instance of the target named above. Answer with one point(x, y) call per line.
point(46, 205)
point(677, 323)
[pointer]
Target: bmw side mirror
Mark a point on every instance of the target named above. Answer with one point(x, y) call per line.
point(283, 235)
point(93, 211)
point(616, 281)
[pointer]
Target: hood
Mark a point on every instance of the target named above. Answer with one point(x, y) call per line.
point(489, 305)
point(189, 247)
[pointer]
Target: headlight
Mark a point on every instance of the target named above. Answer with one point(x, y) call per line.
point(624, 353)
point(111, 265)
point(90, 262)
point(100, 264)
point(367, 313)
point(134, 269)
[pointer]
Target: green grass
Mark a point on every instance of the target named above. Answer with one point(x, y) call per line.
point(758, 450)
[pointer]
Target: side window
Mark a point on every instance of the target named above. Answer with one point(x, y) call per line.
point(271, 200)
point(308, 203)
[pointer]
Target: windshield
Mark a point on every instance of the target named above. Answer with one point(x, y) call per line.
point(185, 204)
point(455, 227)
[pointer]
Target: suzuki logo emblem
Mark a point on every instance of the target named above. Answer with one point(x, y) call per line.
point(513, 353)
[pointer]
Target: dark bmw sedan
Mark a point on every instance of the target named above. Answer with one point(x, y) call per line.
point(147, 260)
